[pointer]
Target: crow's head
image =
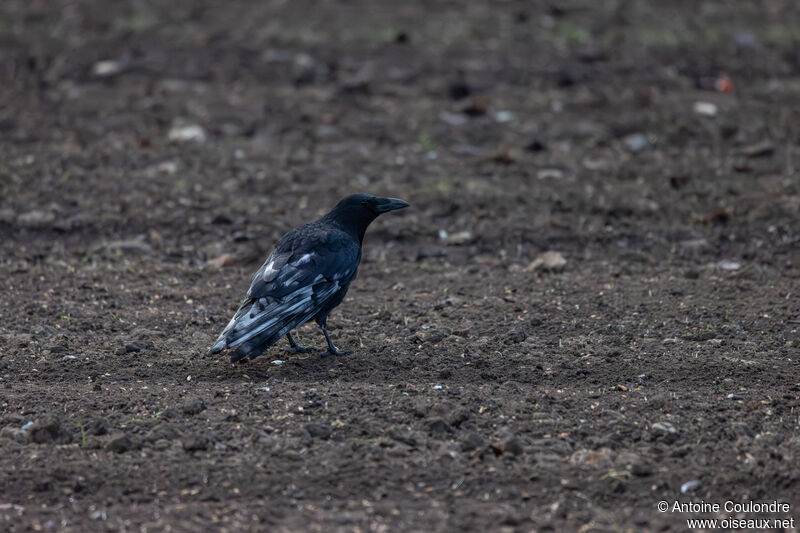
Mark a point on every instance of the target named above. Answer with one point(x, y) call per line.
point(357, 211)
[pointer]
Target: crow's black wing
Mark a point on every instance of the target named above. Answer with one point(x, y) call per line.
point(306, 259)
point(305, 273)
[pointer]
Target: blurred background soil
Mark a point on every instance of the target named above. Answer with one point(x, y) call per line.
point(591, 306)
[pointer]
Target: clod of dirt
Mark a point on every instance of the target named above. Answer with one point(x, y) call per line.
point(170, 413)
point(438, 427)
point(7, 215)
point(718, 217)
point(433, 336)
point(403, 435)
point(196, 443)
point(361, 80)
point(453, 119)
point(665, 432)
point(515, 336)
point(744, 430)
point(306, 69)
point(459, 90)
point(548, 262)
point(501, 156)
point(222, 261)
point(36, 219)
point(459, 416)
point(464, 329)
point(163, 431)
point(420, 407)
point(56, 348)
point(703, 335)
point(137, 245)
point(759, 149)
point(602, 458)
point(441, 410)
point(473, 441)
point(536, 146)
point(137, 346)
point(627, 460)
point(514, 446)
point(120, 444)
point(99, 426)
point(475, 108)
point(48, 429)
point(642, 469)
point(319, 430)
point(14, 433)
point(194, 406)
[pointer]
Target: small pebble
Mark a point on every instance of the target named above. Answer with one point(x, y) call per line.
point(107, 67)
point(549, 174)
point(36, 219)
point(689, 485)
point(437, 387)
point(187, 133)
point(504, 116)
point(635, 142)
point(455, 239)
point(454, 119)
point(730, 266)
point(705, 108)
point(548, 261)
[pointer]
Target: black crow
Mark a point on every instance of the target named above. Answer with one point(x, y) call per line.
point(304, 278)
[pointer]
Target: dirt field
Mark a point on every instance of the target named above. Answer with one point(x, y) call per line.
point(152, 152)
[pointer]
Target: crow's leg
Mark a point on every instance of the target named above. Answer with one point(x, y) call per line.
point(332, 350)
point(296, 348)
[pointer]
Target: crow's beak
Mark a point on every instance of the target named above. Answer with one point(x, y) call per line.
point(384, 205)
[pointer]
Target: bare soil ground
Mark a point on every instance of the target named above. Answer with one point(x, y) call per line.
point(152, 152)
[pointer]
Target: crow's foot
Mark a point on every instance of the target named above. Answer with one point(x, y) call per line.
point(335, 351)
point(299, 348)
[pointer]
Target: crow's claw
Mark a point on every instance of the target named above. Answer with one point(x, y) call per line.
point(328, 353)
point(300, 349)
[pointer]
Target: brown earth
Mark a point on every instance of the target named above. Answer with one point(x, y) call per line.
point(485, 392)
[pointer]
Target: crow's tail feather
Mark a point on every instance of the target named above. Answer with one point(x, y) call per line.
point(260, 323)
